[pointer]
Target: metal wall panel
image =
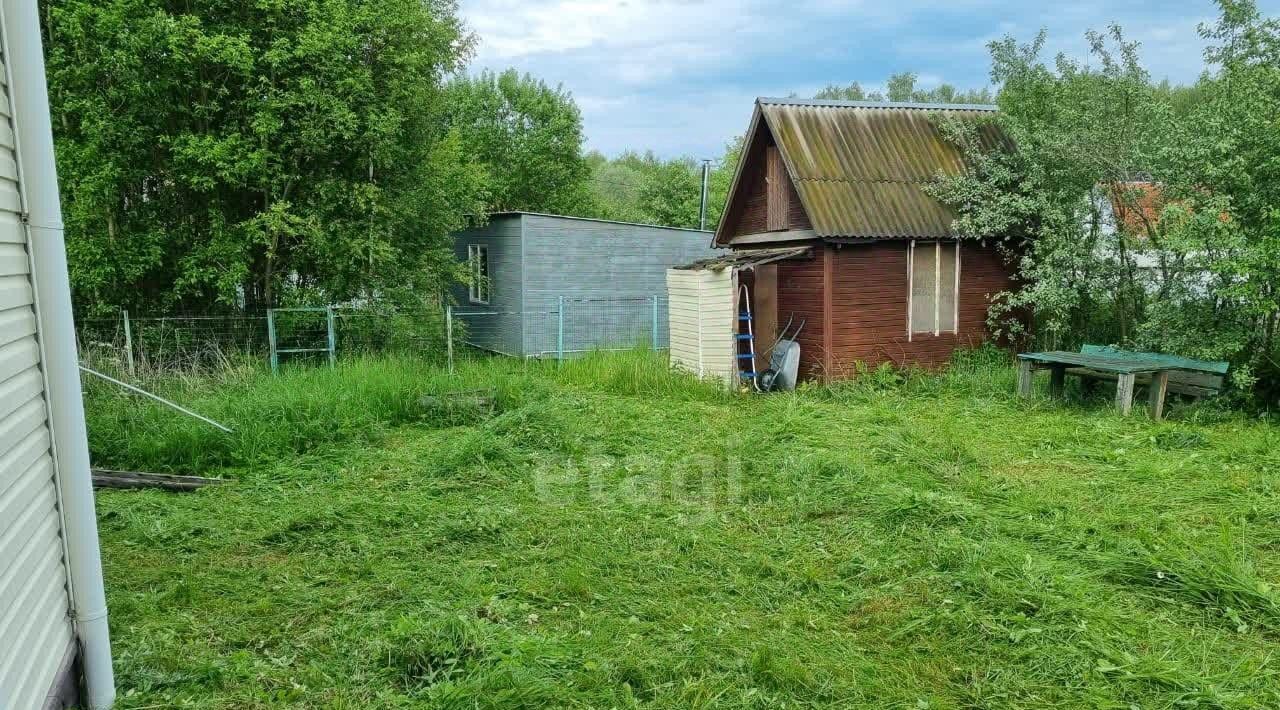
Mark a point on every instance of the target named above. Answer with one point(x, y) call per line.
point(35, 621)
point(609, 270)
point(499, 325)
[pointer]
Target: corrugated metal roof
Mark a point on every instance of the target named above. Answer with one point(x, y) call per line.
point(861, 168)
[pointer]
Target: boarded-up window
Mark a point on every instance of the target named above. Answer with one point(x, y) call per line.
point(778, 204)
point(935, 287)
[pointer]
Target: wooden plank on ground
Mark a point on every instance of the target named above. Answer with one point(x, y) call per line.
point(161, 481)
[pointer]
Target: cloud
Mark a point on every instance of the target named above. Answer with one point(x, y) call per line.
point(679, 76)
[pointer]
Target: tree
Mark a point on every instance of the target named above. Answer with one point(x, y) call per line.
point(616, 185)
point(1222, 164)
point(527, 135)
point(1083, 132)
point(224, 152)
point(644, 188)
point(902, 87)
point(1138, 213)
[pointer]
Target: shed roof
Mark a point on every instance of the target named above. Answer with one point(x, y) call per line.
point(524, 213)
point(860, 168)
point(747, 259)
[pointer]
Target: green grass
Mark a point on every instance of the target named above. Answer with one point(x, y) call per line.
point(618, 536)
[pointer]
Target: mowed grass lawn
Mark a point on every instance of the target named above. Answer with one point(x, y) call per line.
point(616, 536)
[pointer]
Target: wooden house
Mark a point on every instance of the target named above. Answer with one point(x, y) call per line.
point(884, 278)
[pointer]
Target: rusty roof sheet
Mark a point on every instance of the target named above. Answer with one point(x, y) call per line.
point(861, 168)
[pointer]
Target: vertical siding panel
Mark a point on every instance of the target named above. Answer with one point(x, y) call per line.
point(701, 314)
point(800, 299)
point(35, 625)
point(778, 200)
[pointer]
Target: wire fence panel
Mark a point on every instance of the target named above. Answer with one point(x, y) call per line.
point(492, 331)
point(166, 343)
point(418, 331)
point(570, 326)
point(613, 324)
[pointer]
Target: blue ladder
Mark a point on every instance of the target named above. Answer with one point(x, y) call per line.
point(747, 375)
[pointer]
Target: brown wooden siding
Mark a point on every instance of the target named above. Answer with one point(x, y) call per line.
point(868, 307)
point(800, 297)
point(753, 219)
point(797, 217)
point(750, 215)
point(778, 202)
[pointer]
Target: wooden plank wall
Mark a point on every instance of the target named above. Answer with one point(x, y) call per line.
point(800, 295)
point(869, 307)
point(502, 327)
point(751, 216)
point(604, 261)
point(777, 202)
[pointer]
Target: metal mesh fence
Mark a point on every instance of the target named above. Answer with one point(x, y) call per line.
point(568, 326)
point(179, 342)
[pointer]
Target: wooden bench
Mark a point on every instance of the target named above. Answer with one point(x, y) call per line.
point(1192, 378)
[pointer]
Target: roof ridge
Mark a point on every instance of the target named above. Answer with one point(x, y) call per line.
point(910, 105)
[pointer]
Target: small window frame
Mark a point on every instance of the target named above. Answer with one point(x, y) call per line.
point(912, 332)
point(478, 291)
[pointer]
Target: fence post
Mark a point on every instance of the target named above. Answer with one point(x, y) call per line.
point(128, 341)
point(448, 336)
point(655, 323)
point(271, 340)
point(333, 340)
point(560, 331)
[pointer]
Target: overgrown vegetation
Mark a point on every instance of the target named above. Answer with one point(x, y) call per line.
point(614, 535)
point(224, 153)
point(1138, 213)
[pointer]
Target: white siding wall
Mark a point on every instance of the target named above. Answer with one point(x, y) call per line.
point(701, 307)
point(35, 625)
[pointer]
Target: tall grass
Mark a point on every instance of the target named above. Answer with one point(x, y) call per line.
point(302, 409)
point(618, 535)
point(305, 408)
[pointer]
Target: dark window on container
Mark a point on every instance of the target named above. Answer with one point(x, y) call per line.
point(478, 261)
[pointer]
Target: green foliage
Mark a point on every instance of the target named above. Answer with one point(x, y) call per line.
point(1081, 130)
point(1138, 213)
point(225, 151)
point(902, 87)
point(1221, 167)
point(650, 190)
point(617, 536)
point(528, 138)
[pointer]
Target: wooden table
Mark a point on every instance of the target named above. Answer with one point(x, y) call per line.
point(1125, 369)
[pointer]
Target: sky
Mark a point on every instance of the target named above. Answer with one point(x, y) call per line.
point(679, 76)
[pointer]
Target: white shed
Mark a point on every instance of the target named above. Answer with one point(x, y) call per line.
point(704, 308)
point(53, 625)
